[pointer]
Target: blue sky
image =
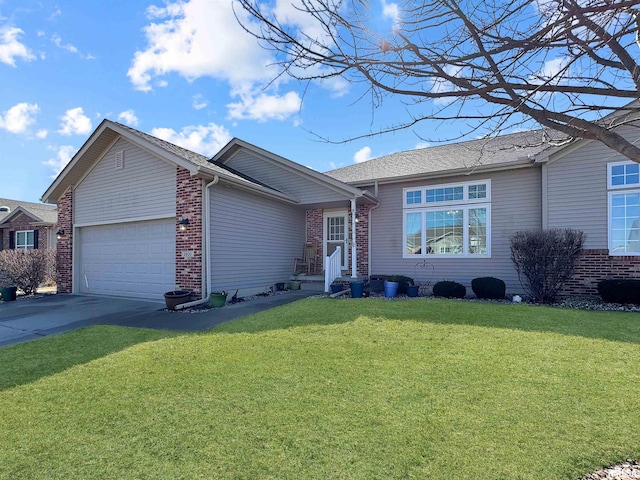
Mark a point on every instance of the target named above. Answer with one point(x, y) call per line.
point(183, 71)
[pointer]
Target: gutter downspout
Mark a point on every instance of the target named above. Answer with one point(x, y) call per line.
point(207, 248)
point(370, 230)
point(354, 273)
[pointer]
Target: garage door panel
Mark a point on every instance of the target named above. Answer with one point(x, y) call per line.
point(132, 260)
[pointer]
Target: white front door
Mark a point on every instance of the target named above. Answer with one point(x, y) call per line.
point(336, 234)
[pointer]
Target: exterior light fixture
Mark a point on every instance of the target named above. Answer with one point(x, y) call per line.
point(59, 234)
point(183, 224)
point(357, 217)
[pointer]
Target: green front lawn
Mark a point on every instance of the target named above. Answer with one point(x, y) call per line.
point(333, 389)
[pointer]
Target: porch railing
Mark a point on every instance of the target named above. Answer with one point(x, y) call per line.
point(332, 268)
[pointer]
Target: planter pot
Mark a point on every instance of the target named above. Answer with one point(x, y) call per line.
point(376, 283)
point(390, 289)
point(412, 290)
point(8, 294)
point(336, 287)
point(217, 299)
point(356, 289)
point(176, 297)
point(295, 284)
point(279, 286)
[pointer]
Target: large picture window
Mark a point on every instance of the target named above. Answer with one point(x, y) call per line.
point(624, 208)
point(452, 221)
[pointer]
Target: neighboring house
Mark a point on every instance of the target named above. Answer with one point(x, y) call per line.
point(142, 216)
point(26, 225)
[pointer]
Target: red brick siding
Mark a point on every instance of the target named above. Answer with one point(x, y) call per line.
point(189, 205)
point(314, 234)
point(24, 222)
point(595, 265)
point(64, 254)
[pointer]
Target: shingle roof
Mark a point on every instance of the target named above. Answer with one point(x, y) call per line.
point(469, 155)
point(48, 213)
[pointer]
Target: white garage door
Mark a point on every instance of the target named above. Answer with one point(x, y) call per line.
point(128, 259)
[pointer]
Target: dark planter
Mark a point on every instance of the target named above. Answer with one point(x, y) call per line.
point(217, 299)
point(376, 283)
point(279, 286)
point(357, 289)
point(8, 294)
point(336, 287)
point(412, 290)
point(176, 297)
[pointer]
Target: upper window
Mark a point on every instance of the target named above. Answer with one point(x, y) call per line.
point(624, 174)
point(25, 239)
point(453, 220)
point(624, 208)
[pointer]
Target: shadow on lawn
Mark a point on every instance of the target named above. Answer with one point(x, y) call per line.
point(614, 326)
point(27, 362)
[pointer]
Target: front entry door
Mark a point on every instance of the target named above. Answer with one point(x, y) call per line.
point(336, 234)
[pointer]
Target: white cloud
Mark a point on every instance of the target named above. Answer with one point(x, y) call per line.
point(75, 122)
point(19, 117)
point(129, 118)
point(265, 107)
point(422, 145)
point(552, 71)
point(57, 41)
point(11, 48)
point(199, 102)
point(198, 38)
point(391, 10)
point(442, 86)
point(204, 139)
point(63, 155)
point(42, 134)
point(362, 155)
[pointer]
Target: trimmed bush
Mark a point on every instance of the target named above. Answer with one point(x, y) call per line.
point(545, 260)
point(402, 282)
point(489, 287)
point(620, 291)
point(449, 289)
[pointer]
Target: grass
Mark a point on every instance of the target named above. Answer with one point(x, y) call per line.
point(348, 389)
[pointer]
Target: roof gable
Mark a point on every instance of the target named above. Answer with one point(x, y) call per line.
point(38, 211)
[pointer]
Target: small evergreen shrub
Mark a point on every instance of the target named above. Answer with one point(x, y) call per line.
point(489, 287)
point(402, 282)
point(449, 289)
point(620, 291)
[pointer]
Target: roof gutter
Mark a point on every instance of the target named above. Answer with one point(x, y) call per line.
point(524, 163)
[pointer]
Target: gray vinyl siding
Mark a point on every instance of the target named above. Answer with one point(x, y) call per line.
point(254, 240)
point(303, 188)
point(577, 190)
point(146, 187)
point(515, 205)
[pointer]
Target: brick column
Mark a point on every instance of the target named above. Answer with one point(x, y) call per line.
point(362, 239)
point(314, 235)
point(189, 243)
point(64, 248)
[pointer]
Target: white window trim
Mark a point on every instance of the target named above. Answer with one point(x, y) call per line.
point(465, 233)
point(610, 221)
point(610, 166)
point(26, 246)
point(465, 200)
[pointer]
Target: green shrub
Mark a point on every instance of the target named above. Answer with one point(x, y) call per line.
point(449, 289)
point(620, 291)
point(489, 287)
point(402, 280)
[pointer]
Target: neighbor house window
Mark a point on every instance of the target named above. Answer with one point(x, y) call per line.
point(448, 220)
point(624, 208)
point(25, 239)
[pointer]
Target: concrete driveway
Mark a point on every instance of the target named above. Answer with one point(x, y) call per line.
point(31, 318)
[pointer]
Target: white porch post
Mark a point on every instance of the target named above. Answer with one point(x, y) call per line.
point(354, 259)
